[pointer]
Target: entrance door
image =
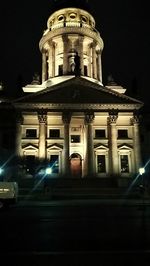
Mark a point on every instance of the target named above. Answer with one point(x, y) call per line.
point(76, 165)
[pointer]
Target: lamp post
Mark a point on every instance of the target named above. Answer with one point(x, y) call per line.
point(142, 185)
point(1, 174)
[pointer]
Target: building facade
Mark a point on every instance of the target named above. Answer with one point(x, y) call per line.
point(70, 121)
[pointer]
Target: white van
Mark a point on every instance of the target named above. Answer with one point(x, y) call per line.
point(8, 193)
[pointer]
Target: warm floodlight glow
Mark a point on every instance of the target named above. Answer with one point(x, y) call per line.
point(48, 170)
point(141, 170)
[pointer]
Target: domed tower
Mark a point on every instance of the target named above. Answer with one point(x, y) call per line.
point(71, 31)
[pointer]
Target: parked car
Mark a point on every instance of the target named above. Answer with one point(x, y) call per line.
point(8, 193)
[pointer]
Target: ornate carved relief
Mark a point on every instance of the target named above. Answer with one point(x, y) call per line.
point(113, 115)
point(42, 116)
point(89, 117)
point(66, 117)
point(136, 118)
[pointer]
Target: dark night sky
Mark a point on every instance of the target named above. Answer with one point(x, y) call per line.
point(124, 27)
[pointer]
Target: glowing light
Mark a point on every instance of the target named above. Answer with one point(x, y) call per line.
point(1, 171)
point(48, 170)
point(141, 170)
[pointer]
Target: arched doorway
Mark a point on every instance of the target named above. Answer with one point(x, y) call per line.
point(76, 165)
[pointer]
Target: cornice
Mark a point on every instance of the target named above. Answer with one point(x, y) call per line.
point(76, 106)
point(72, 30)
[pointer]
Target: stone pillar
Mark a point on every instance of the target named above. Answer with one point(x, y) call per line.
point(66, 117)
point(44, 66)
point(19, 122)
point(94, 60)
point(65, 55)
point(99, 67)
point(51, 60)
point(81, 38)
point(89, 61)
point(136, 142)
point(42, 134)
point(89, 118)
point(114, 160)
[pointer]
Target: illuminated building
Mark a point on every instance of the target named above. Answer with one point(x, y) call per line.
point(71, 120)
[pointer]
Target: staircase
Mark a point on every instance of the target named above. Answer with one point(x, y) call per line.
point(73, 188)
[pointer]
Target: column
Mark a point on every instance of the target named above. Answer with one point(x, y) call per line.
point(42, 116)
point(44, 66)
point(65, 55)
point(136, 142)
point(51, 60)
point(94, 60)
point(66, 117)
point(89, 118)
point(19, 122)
point(99, 67)
point(89, 61)
point(81, 38)
point(113, 143)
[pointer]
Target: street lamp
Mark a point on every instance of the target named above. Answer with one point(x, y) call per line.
point(143, 218)
point(142, 185)
point(48, 171)
point(1, 174)
point(1, 170)
point(141, 170)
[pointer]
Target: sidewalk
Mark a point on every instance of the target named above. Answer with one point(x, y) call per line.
point(79, 202)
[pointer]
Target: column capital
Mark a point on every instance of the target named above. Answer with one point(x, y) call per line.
point(136, 118)
point(66, 117)
point(42, 116)
point(113, 115)
point(65, 38)
point(89, 117)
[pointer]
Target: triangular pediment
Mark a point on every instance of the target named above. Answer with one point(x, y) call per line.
point(77, 90)
point(124, 147)
point(55, 147)
point(30, 147)
point(100, 146)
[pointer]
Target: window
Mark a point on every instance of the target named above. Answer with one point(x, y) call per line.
point(101, 165)
point(72, 15)
point(31, 133)
point(124, 163)
point(54, 163)
point(54, 133)
point(75, 138)
point(60, 70)
point(85, 71)
point(122, 133)
point(99, 133)
point(84, 19)
point(60, 18)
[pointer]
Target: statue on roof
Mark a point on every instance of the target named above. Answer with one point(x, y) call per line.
point(36, 79)
point(110, 80)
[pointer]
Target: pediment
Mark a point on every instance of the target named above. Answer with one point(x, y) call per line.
point(77, 90)
point(100, 146)
point(124, 147)
point(30, 147)
point(55, 147)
